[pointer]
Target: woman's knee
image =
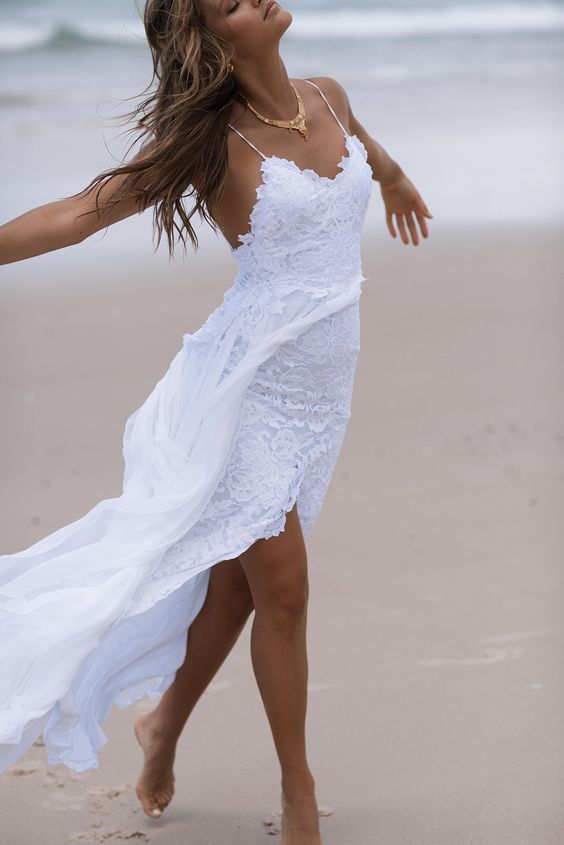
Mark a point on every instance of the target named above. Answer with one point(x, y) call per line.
point(240, 601)
point(230, 589)
point(277, 574)
point(284, 602)
point(280, 590)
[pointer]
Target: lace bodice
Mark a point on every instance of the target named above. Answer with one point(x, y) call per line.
point(304, 225)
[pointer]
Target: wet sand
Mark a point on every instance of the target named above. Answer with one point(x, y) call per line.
point(435, 619)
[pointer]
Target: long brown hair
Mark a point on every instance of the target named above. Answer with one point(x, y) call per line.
point(183, 121)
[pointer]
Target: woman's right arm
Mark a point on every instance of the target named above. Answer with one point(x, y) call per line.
point(58, 224)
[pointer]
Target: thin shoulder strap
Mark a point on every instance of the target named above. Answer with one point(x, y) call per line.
point(345, 133)
point(247, 140)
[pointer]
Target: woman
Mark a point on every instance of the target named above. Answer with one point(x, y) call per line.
point(229, 458)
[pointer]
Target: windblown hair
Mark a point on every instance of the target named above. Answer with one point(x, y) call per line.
point(183, 123)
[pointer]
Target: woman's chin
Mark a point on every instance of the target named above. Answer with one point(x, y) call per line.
point(285, 20)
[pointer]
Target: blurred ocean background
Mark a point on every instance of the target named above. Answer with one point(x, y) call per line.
point(467, 96)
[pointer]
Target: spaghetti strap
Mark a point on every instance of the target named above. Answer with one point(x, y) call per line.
point(247, 140)
point(345, 133)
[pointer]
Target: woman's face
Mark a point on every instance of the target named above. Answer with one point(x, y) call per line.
point(251, 26)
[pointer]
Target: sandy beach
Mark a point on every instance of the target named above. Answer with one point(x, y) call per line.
point(435, 617)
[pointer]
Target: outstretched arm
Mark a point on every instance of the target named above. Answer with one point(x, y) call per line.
point(58, 224)
point(401, 197)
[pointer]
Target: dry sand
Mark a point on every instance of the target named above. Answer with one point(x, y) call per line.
point(435, 620)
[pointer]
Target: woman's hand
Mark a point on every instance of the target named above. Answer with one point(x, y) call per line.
point(402, 198)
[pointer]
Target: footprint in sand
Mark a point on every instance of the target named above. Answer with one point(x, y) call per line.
point(487, 658)
point(101, 795)
point(32, 767)
point(62, 801)
point(109, 791)
point(274, 823)
point(109, 836)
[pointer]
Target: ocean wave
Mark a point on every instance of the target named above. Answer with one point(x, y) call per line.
point(15, 38)
point(458, 20)
point(345, 23)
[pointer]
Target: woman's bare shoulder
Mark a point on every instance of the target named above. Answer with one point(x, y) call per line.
point(332, 89)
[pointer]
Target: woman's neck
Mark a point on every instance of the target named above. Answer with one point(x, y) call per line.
point(267, 88)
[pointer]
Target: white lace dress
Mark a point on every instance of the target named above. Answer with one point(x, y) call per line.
point(248, 420)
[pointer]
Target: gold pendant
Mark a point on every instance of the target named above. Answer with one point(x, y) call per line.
point(298, 122)
point(300, 125)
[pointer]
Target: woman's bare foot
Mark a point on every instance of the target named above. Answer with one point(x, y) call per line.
point(300, 819)
point(155, 786)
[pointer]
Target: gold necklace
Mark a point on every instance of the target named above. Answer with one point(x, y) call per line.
point(298, 122)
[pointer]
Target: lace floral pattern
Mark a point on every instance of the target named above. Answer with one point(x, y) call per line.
point(247, 421)
point(304, 244)
point(294, 419)
point(304, 227)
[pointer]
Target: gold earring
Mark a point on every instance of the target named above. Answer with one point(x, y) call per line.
point(230, 67)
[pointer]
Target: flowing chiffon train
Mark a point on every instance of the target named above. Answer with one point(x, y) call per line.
point(247, 420)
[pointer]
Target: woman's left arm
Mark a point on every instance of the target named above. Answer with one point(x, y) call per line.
point(401, 197)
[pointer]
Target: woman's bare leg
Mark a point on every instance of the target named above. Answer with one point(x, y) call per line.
point(276, 570)
point(211, 637)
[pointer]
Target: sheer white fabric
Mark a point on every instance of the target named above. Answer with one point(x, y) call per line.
point(248, 420)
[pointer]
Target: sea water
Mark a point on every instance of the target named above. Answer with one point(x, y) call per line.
point(466, 96)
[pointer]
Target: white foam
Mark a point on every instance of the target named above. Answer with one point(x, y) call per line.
point(20, 37)
point(15, 37)
point(343, 23)
point(112, 30)
point(462, 20)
